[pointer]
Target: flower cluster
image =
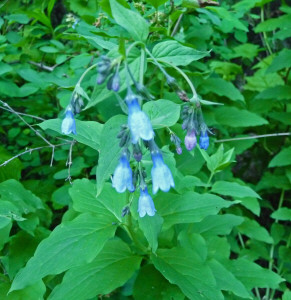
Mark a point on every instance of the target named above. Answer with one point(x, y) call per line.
point(137, 132)
point(194, 124)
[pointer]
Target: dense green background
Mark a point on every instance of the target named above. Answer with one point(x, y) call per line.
point(224, 232)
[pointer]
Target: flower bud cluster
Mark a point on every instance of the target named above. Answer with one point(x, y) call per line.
point(194, 124)
point(105, 67)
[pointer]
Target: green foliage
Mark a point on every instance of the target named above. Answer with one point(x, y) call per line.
point(223, 231)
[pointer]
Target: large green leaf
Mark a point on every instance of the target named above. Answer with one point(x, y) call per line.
point(150, 284)
point(222, 88)
point(227, 281)
point(184, 268)
point(189, 207)
point(175, 53)
point(88, 132)
point(137, 26)
point(109, 150)
point(252, 275)
point(112, 267)
point(282, 214)
point(162, 113)
point(283, 158)
point(282, 61)
point(234, 117)
point(108, 203)
point(233, 189)
point(70, 244)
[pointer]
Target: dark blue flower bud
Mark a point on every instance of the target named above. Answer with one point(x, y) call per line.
point(204, 140)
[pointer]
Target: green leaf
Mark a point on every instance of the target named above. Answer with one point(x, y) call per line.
point(88, 132)
point(112, 267)
point(108, 203)
point(233, 189)
point(162, 113)
point(184, 268)
point(234, 117)
point(271, 24)
point(280, 92)
point(156, 3)
point(282, 61)
point(282, 214)
point(151, 227)
point(19, 18)
point(109, 150)
point(252, 275)
point(227, 281)
point(99, 42)
point(189, 207)
point(283, 158)
point(49, 49)
point(217, 224)
point(253, 230)
point(136, 25)
point(64, 248)
point(221, 88)
point(150, 284)
point(175, 53)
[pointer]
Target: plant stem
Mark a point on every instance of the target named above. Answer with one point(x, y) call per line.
point(264, 33)
point(84, 74)
point(141, 70)
point(254, 137)
point(271, 262)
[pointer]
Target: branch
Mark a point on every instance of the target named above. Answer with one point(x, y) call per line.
point(254, 137)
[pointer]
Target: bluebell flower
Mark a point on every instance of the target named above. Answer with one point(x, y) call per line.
point(145, 204)
point(190, 139)
point(161, 175)
point(69, 123)
point(138, 122)
point(122, 177)
point(204, 140)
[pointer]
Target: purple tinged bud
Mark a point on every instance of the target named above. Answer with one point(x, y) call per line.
point(115, 82)
point(179, 150)
point(190, 140)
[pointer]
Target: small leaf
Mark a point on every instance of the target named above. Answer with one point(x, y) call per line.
point(283, 158)
point(282, 214)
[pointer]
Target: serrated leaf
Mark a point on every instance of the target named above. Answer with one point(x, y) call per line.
point(282, 61)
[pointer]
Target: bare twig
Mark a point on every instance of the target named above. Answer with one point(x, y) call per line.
point(31, 150)
point(20, 117)
point(254, 137)
point(23, 114)
point(177, 25)
point(70, 162)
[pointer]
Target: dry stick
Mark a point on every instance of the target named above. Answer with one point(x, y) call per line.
point(31, 150)
point(23, 114)
point(177, 25)
point(254, 137)
point(70, 162)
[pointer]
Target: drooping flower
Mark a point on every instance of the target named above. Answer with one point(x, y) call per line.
point(138, 122)
point(204, 140)
point(145, 204)
point(179, 150)
point(190, 139)
point(69, 123)
point(114, 82)
point(122, 177)
point(161, 175)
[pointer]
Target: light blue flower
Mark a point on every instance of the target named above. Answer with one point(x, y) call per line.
point(190, 139)
point(161, 175)
point(69, 123)
point(122, 177)
point(204, 140)
point(145, 204)
point(138, 122)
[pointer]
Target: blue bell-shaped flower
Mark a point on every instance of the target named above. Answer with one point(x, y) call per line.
point(138, 122)
point(145, 204)
point(69, 123)
point(161, 175)
point(204, 140)
point(122, 177)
